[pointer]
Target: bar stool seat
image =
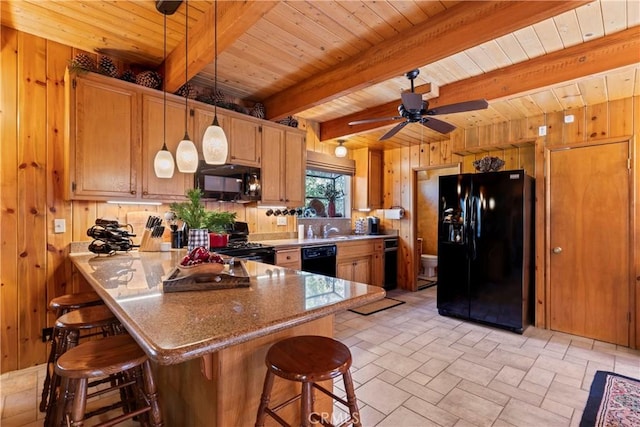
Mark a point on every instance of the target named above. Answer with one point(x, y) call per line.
point(68, 328)
point(60, 306)
point(114, 355)
point(308, 359)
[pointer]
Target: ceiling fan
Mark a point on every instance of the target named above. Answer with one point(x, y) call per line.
point(414, 110)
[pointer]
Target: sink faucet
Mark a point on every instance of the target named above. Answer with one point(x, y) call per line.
point(326, 230)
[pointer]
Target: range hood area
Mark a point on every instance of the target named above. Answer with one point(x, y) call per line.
point(228, 183)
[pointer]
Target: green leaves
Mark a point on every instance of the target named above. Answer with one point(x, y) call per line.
point(194, 214)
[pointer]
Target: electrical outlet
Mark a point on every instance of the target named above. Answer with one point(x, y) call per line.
point(47, 334)
point(281, 220)
point(568, 118)
point(59, 225)
point(542, 131)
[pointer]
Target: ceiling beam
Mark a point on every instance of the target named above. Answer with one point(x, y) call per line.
point(234, 19)
point(461, 27)
point(596, 56)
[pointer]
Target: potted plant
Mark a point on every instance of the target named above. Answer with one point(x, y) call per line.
point(219, 223)
point(331, 193)
point(194, 215)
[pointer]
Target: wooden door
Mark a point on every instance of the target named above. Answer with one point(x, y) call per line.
point(589, 224)
point(362, 270)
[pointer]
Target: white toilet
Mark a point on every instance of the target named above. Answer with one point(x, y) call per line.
point(429, 265)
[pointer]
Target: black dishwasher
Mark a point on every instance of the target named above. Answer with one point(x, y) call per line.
point(390, 264)
point(319, 260)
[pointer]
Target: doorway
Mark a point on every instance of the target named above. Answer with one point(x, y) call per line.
point(589, 241)
point(427, 203)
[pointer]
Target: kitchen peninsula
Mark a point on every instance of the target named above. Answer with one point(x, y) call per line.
point(208, 347)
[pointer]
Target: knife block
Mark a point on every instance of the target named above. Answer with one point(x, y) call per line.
point(148, 243)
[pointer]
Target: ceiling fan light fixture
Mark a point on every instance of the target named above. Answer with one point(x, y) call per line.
point(341, 150)
point(215, 146)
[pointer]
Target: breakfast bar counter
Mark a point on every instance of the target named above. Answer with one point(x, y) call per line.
point(209, 346)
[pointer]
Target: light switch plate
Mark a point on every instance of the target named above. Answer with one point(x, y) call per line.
point(542, 131)
point(281, 220)
point(568, 118)
point(59, 226)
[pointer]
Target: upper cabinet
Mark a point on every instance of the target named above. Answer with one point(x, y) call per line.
point(103, 139)
point(368, 179)
point(114, 131)
point(245, 142)
point(152, 138)
point(283, 166)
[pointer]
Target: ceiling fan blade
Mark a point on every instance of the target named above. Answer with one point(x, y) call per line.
point(380, 119)
point(393, 131)
point(437, 125)
point(411, 100)
point(478, 104)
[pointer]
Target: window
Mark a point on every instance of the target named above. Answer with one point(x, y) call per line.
point(323, 189)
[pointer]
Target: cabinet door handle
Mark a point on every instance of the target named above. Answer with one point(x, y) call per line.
point(288, 256)
point(133, 192)
point(144, 193)
point(557, 250)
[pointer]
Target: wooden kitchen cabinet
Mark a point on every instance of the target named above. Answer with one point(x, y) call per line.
point(368, 179)
point(152, 137)
point(245, 142)
point(283, 166)
point(289, 258)
point(102, 138)
point(360, 261)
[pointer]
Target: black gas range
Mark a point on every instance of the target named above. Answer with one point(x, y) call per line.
point(240, 247)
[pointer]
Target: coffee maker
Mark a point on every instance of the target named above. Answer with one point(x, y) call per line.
point(374, 225)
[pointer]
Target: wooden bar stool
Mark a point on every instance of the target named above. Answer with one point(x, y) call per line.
point(68, 327)
point(308, 359)
point(118, 356)
point(60, 306)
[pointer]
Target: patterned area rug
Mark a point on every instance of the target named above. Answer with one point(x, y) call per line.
point(614, 400)
point(376, 306)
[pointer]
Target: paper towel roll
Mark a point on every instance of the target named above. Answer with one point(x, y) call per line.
point(300, 232)
point(394, 213)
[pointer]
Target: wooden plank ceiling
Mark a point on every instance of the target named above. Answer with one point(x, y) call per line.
point(337, 61)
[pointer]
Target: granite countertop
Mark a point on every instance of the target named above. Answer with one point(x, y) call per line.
point(178, 326)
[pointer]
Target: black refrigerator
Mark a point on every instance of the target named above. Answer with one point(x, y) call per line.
point(485, 248)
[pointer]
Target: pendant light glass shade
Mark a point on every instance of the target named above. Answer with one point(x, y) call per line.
point(187, 155)
point(341, 150)
point(163, 164)
point(214, 144)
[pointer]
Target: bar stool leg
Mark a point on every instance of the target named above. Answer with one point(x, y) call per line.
point(264, 399)
point(79, 402)
point(352, 403)
point(306, 404)
point(152, 394)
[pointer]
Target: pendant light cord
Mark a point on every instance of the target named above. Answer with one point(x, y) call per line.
point(186, 67)
point(215, 55)
point(164, 88)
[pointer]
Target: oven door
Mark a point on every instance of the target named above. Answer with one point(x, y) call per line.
point(268, 256)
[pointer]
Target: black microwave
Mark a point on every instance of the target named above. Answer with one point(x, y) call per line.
point(229, 183)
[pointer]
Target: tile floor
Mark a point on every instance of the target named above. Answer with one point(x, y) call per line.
point(412, 367)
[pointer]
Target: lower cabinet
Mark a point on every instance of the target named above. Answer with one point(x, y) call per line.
point(289, 258)
point(360, 261)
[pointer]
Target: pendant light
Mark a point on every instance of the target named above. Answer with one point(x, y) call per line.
point(214, 142)
point(341, 150)
point(163, 163)
point(187, 154)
